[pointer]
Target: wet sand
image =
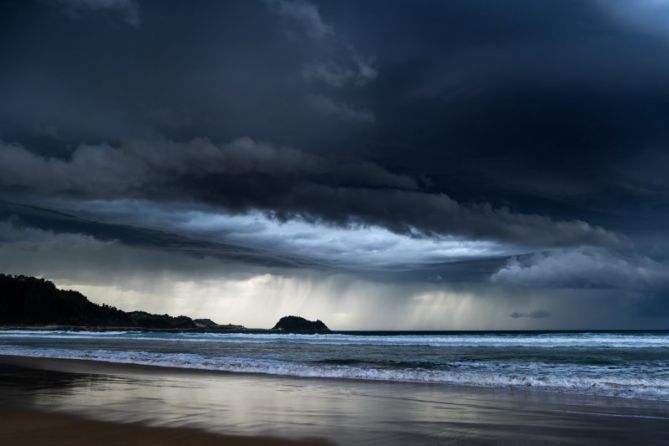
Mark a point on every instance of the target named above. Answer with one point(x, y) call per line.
point(239, 406)
point(22, 427)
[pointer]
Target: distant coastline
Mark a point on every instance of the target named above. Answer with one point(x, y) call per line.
point(31, 303)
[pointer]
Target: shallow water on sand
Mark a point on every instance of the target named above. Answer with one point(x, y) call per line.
point(345, 411)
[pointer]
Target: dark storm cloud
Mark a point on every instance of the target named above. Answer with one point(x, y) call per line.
point(337, 76)
point(535, 124)
point(245, 175)
point(330, 107)
point(39, 229)
point(337, 64)
point(127, 10)
point(222, 71)
point(584, 268)
point(304, 13)
point(557, 109)
point(522, 98)
point(543, 105)
point(36, 223)
point(106, 170)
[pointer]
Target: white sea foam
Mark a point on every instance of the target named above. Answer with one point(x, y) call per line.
point(589, 380)
point(558, 340)
point(634, 365)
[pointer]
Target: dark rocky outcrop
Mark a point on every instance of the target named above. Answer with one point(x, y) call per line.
point(205, 323)
point(296, 324)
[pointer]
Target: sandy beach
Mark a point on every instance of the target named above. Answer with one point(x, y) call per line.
point(52, 401)
point(22, 427)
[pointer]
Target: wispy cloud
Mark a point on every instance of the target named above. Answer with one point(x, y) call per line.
point(347, 69)
point(127, 10)
point(304, 14)
point(329, 106)
point(333, 74)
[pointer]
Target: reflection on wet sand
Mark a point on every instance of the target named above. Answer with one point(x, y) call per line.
point(22, 427)
point(344, 411)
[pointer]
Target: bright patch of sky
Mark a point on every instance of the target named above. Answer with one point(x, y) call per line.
point(367, 246)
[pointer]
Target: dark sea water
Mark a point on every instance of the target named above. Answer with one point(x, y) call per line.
point(621, 364)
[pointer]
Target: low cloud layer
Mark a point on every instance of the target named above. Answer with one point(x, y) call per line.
point(584, 268)
point(245, 175)
point(33, 226)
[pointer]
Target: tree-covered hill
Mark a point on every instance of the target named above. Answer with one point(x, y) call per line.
point(29, 301)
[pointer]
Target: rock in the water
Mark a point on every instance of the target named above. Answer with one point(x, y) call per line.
point(296, 324)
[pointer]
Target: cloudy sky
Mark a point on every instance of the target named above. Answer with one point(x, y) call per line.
point(414, 164)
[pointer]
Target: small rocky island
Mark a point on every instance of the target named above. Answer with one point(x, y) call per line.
point(296, 324)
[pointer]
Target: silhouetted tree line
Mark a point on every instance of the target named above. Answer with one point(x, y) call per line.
point(29, 301)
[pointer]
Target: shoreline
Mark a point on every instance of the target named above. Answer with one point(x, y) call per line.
point(249, 407)
point(97, 366)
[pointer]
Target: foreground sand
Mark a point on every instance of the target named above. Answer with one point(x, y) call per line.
point(251, 409)
point(21, 427)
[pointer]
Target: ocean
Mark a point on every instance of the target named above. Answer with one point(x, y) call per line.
point(621, 364)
